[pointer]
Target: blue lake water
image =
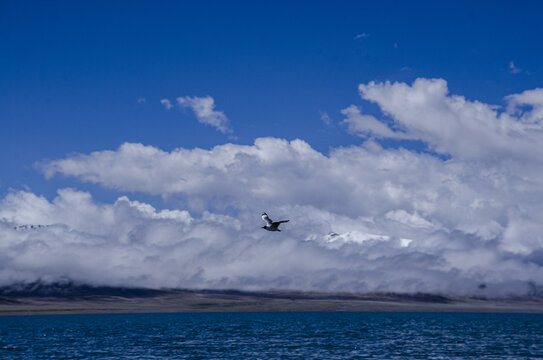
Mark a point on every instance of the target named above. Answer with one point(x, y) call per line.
point(273, 336)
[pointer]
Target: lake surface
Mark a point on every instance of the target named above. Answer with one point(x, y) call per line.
point(320, 335)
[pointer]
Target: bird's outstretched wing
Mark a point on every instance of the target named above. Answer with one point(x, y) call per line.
point(266, 218)
point(280, 222)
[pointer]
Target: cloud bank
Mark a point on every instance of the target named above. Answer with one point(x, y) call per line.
point(363, 218)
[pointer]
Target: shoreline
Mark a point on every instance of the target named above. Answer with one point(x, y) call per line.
point(237, 301)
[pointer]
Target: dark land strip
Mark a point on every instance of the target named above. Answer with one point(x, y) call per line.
point(67, 298)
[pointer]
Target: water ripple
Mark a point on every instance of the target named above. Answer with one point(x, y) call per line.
point(273, 336)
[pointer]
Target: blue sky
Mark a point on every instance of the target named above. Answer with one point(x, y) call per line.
point(402, 140)
point(72, 72)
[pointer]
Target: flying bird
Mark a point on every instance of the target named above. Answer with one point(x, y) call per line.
point(271, 225)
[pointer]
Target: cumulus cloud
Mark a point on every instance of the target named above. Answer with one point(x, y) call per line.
point(204, 109)
point(451, 124)
point(363, 218)
point(272, 171)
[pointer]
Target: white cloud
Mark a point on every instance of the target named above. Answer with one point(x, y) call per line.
point(413, 220)
point(363, 218)
point(203, 108)
point(326, 119)
point(513, 69)
point(531, 99)
point(166, 103)
point(361, 36)
point(142, 100)
point(130, 243)
point(366, 125)
point(240, 175)
point(450, 124)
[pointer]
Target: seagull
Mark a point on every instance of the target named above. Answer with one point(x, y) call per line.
point(271, 225)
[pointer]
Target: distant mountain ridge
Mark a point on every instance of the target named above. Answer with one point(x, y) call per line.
point(69, 289)
point(67, 297)
point(29, 227)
